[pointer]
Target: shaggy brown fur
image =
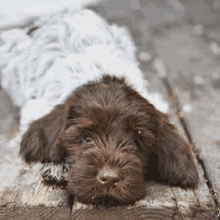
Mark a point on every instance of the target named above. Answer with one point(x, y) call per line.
point(113, 140)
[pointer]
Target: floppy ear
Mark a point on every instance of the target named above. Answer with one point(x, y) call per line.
point(41, 142)
point(175, 161)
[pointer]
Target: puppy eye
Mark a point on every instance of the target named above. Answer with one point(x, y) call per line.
point(87, 139)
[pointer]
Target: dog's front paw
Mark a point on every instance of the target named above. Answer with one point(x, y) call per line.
point(54, 175)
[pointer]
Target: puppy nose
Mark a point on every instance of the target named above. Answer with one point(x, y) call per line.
point(108, 176)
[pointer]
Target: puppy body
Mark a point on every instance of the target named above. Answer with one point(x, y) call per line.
point(102, 127)
point(67, 50)
point(112, 139)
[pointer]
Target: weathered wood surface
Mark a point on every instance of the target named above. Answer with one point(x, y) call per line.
point(161, 202)
point(119, 213)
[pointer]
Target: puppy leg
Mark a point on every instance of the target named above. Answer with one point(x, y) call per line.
point(55, 175)
point(41, 143)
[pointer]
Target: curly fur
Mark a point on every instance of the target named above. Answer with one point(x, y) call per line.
point(107, 125)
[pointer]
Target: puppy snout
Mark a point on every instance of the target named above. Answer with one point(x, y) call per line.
point(108, 176)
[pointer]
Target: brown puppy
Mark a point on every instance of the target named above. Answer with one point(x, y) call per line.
point(112, 140)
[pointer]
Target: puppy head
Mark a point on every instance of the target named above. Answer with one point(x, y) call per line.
point(111, 134)
point(103, 132)
point(112, 138)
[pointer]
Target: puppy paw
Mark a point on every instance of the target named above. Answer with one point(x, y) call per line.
point(54, 175)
